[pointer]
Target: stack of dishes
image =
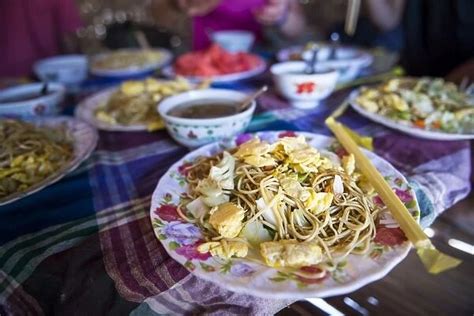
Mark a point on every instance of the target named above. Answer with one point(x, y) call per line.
point(52, 148)
point(348, 61)
point(129, 62)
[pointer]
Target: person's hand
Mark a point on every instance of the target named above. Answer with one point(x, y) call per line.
point(273, 12)
point(197, 7)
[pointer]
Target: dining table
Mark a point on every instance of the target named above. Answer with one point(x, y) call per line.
point(85, 245)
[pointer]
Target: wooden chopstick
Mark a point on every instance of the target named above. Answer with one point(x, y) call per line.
point(142, 40)
point(434, 261)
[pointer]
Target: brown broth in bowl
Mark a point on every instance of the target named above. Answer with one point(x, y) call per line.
point(204, 109)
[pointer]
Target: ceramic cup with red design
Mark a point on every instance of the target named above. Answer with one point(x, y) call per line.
point(303, 90)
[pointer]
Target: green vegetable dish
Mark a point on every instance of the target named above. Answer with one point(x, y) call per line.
point(426, 103)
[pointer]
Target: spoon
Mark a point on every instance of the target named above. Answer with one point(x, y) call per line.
point(44, 89)
point(335, 40)
point(246, 103)
point(311, 69)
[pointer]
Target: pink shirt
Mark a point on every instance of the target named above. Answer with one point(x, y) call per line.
point(229, 15)
point(31, 30)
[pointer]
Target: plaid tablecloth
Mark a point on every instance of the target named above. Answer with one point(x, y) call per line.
point(85, 245)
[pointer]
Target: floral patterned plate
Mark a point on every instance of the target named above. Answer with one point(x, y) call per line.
point(84, 141)
point(181, 239)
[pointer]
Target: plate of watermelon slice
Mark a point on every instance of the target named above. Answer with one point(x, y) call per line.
point(216, 64)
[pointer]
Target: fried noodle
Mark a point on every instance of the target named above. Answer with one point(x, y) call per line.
point(30, 154)
point(347, 226)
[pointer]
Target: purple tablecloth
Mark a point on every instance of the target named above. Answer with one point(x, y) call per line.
point(85, 245)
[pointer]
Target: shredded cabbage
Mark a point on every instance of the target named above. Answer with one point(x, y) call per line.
point(197, 207)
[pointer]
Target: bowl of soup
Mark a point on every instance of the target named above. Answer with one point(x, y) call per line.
point(303, 91)
point(30, 100)
point(199, 117)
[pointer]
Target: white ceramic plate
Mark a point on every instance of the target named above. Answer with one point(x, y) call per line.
point(85, 139)
point(86, 112)
point(180, 239)
point(403, 127)
point(168, 71)
point(166, 58)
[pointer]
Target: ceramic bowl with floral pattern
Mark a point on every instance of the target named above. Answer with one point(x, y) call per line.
point(195, 132)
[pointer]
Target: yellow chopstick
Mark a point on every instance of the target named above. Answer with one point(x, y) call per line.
point(434, 261)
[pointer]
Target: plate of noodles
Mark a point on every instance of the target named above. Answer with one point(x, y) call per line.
point(429, 108)
point(132, 106)
point(49, 149)
point(129, 62)
point(279, 215)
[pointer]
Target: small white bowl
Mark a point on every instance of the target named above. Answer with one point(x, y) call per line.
point(35, 106)
point(304, 91)
point(69, 70)
point(198, 132)
point(234, 40)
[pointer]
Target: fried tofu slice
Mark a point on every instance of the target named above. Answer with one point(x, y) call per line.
point(227, 219)
point(290, 253)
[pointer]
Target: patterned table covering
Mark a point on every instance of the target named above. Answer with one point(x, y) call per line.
point(85, 245)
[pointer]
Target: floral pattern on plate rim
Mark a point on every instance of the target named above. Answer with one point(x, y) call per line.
point(181, 239)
